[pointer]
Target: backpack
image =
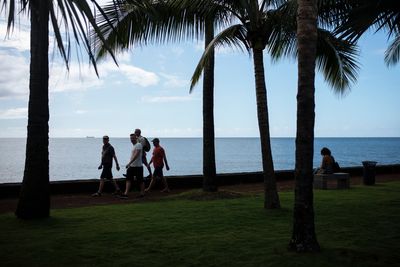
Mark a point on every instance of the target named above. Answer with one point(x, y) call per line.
point(147, 145)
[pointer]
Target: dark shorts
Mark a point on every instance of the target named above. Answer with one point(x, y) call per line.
point(158, 172)
point(106, 173)
point(134, 173)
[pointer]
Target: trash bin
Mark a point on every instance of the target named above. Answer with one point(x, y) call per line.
point(369, 172)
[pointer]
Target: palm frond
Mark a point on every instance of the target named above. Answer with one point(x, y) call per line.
point(392, 54)
point(9, 7)
point(234, 37)
point(365, 14)
point(336, 59)
point(147, 21)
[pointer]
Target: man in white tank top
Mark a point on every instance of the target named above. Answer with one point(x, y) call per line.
point(134, 172)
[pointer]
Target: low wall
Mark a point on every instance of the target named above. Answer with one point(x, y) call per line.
point(9, 190)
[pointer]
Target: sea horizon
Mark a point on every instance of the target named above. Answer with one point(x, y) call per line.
point(76, 158)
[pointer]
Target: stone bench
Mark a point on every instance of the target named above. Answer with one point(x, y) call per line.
point(323, 181)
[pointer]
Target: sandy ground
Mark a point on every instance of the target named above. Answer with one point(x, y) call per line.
point(81, 200)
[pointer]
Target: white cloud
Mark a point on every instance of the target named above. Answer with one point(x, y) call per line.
point(77, 79)
point(139, 76)
point(166, 99)
point(13, 81)
point(133, 74)
point(80, 112)
point(18, 39)
point(173, 81)
point(15, 113)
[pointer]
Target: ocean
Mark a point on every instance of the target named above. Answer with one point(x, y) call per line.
point(78, 158)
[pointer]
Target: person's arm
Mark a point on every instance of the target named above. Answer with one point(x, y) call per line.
point(101, 162)
point(133, 158)
point(116, 161)
point(166, 162)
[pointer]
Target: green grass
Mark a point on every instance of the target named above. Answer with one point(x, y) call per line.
point(356, 227)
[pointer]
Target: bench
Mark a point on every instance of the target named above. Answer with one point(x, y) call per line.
point(323, 181)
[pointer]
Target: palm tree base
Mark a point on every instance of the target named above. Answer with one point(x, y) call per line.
point(301, 246)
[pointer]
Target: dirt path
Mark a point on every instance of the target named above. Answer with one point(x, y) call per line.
point(81, 200)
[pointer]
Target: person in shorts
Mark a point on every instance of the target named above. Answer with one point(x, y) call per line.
point(141, 140)
point(107, 156)
point(134, 172)
point(158, 159)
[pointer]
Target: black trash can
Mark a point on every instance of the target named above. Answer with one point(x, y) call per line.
point(369, 172)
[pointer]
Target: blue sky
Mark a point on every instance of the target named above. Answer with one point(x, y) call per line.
point(150, 90)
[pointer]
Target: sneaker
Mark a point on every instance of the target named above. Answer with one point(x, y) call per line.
point(165, 190)
point(123, 196)
point(117, 193)
point(97, 194)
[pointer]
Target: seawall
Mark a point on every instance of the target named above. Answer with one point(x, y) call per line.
point(9, 190)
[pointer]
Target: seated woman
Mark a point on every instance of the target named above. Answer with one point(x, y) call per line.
point(327, 164)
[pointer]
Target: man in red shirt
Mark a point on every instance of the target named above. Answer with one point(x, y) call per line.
point(158, 160)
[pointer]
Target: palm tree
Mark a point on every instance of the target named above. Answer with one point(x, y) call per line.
point(264, 25)
point(303, 235)
point(251, 34)
point(311, 50)
point(360, 15)
point(34, 200)
point(158, 21)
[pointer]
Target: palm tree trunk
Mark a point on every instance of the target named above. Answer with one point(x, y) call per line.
point(271, 194)
point(304, 237)
point(34, 200)
point(209, 169)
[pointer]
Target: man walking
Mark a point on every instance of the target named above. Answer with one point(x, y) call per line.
point(141, 140)
point(158, 159)
point(107, 156)
point(134, 168)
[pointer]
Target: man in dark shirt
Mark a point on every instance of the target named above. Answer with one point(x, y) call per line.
point(107, 156)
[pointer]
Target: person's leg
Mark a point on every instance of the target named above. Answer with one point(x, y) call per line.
point(117, 189)
point(101, 186)
point(128, 187)
point(129, 179)
point(142, 189)
point(147, 165)
point(166, 188)
point(152, 182)
point(139, 177)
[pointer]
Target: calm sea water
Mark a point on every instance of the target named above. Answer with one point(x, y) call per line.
point(78, 158)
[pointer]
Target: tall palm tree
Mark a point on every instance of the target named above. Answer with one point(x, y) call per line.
point(34, 200)
point(310, 48)
point(303, 235)
point(360, 15)
point(158, 21)
point(272, 25)
point(252, 33)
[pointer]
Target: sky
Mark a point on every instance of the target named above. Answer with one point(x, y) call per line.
point(150, 90)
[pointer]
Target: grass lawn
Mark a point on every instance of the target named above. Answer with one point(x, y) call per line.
point(356, 227)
